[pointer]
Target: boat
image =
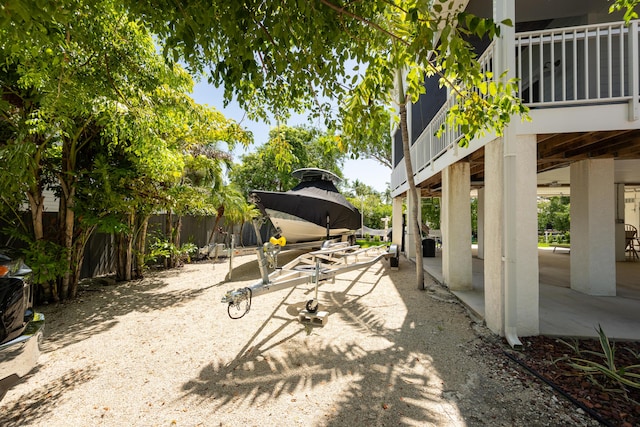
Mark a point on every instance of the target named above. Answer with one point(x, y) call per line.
point(313, 210)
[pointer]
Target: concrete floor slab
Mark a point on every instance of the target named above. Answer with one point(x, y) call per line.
point(563, 311)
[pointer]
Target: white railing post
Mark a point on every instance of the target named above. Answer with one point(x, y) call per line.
point(634, 72)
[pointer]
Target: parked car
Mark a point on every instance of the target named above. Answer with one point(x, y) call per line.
point(21, 328)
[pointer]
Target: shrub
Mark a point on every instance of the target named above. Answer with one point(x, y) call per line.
point(603, 371)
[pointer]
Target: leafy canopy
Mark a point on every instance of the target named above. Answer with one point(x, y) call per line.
point(289, 148)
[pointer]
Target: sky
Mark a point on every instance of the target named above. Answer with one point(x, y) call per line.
point(368, 171)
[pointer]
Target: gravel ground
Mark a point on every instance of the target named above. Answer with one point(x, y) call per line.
point(163, 352)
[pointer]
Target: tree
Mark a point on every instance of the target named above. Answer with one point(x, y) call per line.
point(231, 203)
point(288, 149)
point(373, 205)
point(90, 110)
point(554, 214)
point(105, 69)
point(373, 141)
point(177, 168)
point(431, 212)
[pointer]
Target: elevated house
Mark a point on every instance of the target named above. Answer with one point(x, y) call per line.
point(579, 73)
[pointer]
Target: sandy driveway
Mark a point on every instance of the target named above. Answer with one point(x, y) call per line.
point(163, 352)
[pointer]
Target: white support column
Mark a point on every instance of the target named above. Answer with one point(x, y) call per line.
point(493, 229)
point(593, 267)
point(511, 243)
point(456, 227)
point(396, 221)
point(480, 223)
point(521, 231)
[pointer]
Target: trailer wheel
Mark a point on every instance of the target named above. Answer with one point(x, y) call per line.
point(312, 306)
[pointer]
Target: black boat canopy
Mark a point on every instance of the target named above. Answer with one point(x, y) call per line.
point(315, 199)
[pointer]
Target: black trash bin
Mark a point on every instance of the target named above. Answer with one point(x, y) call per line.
point(428, 248)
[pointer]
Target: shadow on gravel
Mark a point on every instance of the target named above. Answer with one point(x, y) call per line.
point(44, 399)
point(384, 389)
point(437, 368)
point(98, 307)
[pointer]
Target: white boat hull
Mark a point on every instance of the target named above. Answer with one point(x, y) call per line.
point(296, 229)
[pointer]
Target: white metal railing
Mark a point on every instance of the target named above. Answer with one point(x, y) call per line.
point(581, 65)
point(586, 64)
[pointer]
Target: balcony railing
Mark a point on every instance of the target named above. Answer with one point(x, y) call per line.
point(587, 64)
point(591, 64)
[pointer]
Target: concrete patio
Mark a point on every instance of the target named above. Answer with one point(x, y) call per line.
point(563, 311)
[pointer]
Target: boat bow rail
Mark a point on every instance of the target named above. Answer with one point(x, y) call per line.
point(310, 268)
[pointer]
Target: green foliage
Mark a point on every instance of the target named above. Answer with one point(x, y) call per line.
point(368, 243)
point(187, 251)
point(425, 43)
point(474, 217)
point(270, 59)
point(91, 110)
point(369, 202)
point(372, 141)
point(161, 249)
point(375, 218)
point(554, 213)
point(289, 148)
point(431, 212)
point(628, 6)
point(47, 261)
point(604, 371)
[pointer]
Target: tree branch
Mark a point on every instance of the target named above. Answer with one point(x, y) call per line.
point(342, 10)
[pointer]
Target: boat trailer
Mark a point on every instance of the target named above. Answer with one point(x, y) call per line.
point(315, 267)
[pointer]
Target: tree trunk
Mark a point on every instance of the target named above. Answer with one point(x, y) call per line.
point(128, 247)
point(34, 192)
point(78, 259)
point(36, 204)
point(141, 246)
point(168, 236)
point(124, 249)
point(177, 228)
point(219, 215)
point(123, 258)
point(214, 232)
point(68, 226)
point(67, 180)
point(414, 225)
point(120, 254)
point(66, 223)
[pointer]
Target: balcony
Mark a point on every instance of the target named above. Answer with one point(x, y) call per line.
point(584, 66)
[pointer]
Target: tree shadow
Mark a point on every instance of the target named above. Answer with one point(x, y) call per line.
point(98, 307)
point(390, 378)
point(44, 399)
